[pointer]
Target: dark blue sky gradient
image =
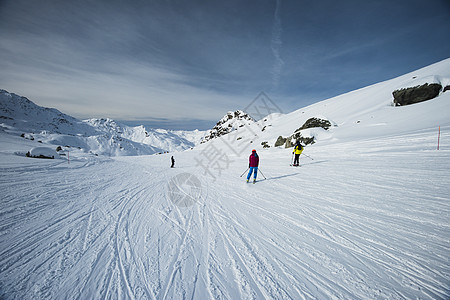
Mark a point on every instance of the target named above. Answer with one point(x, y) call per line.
point(188, 62)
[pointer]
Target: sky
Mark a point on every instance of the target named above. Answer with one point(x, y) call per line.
point(184, 64)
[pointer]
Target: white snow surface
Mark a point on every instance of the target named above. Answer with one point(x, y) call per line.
point(43, 152)
point(365, 216)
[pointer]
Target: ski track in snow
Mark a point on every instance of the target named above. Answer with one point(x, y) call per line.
point(362, 221)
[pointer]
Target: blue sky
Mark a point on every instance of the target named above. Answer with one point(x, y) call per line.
point(184, 64)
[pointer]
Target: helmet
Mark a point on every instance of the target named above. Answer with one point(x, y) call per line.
point(253, 150)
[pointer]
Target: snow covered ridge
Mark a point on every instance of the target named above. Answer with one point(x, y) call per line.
point(416, 81)
point(166, 140)
point(20, 116)
point(230, 122)
point(364, 113)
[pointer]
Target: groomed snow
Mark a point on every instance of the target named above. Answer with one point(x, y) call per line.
point(363, 220)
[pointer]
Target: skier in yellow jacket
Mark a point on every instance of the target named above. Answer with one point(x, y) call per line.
point(297, 151)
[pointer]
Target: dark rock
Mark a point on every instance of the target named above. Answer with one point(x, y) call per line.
point(447, 88)
point(310, 123)
point(288, 143)
point(265, 145)
point(307, 141)
point(315, 122)
point(416, 94)
point(44, 157)
point(280, 141)
point(303, 140)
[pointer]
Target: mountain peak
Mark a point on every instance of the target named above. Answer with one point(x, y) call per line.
point(230, 122)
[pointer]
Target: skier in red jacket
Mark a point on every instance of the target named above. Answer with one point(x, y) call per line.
point(253, 162)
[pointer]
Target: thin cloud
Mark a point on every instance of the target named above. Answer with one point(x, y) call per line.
point(276, 45)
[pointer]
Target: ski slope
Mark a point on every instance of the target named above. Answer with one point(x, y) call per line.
point(365, 219)
point(365, 216)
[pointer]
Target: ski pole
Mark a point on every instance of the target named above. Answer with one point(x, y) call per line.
point(244, 172)
point(262, 173)
point(308, 156)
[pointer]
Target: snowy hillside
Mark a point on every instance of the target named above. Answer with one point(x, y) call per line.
point(361, 114)
point(18, 115)
point(365, 216)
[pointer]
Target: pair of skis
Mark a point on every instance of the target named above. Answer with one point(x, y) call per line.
point(255, 179)
point(292, 164)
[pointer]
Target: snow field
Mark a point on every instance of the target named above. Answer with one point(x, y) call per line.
point(365, 219)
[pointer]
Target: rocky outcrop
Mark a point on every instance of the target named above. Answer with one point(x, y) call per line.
point(288, 143)
point(416, 94)
point(280, 141)
point(231, 121)
point(315, 122)
point(298, 137)
point(304, 140)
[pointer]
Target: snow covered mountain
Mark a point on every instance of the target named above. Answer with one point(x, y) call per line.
point(22, 114)
point(168, 140)
point(19, 115)
point(230, 122)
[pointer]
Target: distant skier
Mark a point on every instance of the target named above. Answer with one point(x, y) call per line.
point(173, 162)
point(297, 151)
point(253, 162)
